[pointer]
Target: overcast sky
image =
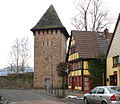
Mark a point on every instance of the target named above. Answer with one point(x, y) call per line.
point(17, 17)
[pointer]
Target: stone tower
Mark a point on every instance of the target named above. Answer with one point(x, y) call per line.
point(50, 38)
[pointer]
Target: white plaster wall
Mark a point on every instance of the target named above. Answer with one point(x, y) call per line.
point(115, 46)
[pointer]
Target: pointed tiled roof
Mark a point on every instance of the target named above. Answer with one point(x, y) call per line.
point(49, 20)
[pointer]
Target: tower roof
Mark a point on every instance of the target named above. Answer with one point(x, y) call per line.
point(49, 20)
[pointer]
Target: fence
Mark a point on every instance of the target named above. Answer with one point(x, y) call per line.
point(57, 92)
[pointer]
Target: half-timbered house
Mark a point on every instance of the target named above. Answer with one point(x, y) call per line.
point(84, 45)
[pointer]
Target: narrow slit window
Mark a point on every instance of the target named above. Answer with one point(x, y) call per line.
point(51, 43)
point(47, 43)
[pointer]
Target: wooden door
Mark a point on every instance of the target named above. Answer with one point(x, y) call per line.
point(86, 84)
point(113, 80)
point(47, 83)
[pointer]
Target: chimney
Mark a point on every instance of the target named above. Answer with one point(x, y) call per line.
point(106, 33)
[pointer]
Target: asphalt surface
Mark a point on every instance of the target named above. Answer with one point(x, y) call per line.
point(32, 96)
point(74, 101)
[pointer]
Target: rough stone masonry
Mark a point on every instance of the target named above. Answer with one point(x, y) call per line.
point(50, 38)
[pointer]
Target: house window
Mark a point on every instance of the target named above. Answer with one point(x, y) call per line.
point(79, 80)
point(73, 49)
point(79, 65)
point(73, 56)
point(73, 66)
point(115, 61)
point(76, 66)
point(75, 80)
point(76, 56)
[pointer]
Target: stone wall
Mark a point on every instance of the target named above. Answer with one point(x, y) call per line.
point(17, 81)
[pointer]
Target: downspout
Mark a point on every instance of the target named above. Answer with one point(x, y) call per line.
point(82, 75)
point(105, 72)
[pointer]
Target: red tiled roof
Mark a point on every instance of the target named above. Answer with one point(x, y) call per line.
point(87, 44)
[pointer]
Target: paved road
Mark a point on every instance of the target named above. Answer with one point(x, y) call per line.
point(74, 101)
point(34, 97)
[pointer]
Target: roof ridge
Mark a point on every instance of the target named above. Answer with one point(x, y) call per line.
point(83, 31)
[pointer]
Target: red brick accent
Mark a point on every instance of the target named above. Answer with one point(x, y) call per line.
point(106, 33)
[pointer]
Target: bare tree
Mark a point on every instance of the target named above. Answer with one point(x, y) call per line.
point(25, 53)
point(15, 56)
point(63, 69)
point(19, 56)
point(92, 15)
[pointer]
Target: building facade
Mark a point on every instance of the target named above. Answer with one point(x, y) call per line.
point(78, 81)
point(84, 46)
point(113, 57)
point(50, 38)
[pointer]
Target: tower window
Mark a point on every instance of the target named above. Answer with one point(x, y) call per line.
point(47, 31)
point(61, 31)
point(56, 30)
point(51, 31)
point(51, 43)
point(39, 32)
point(47, 43)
